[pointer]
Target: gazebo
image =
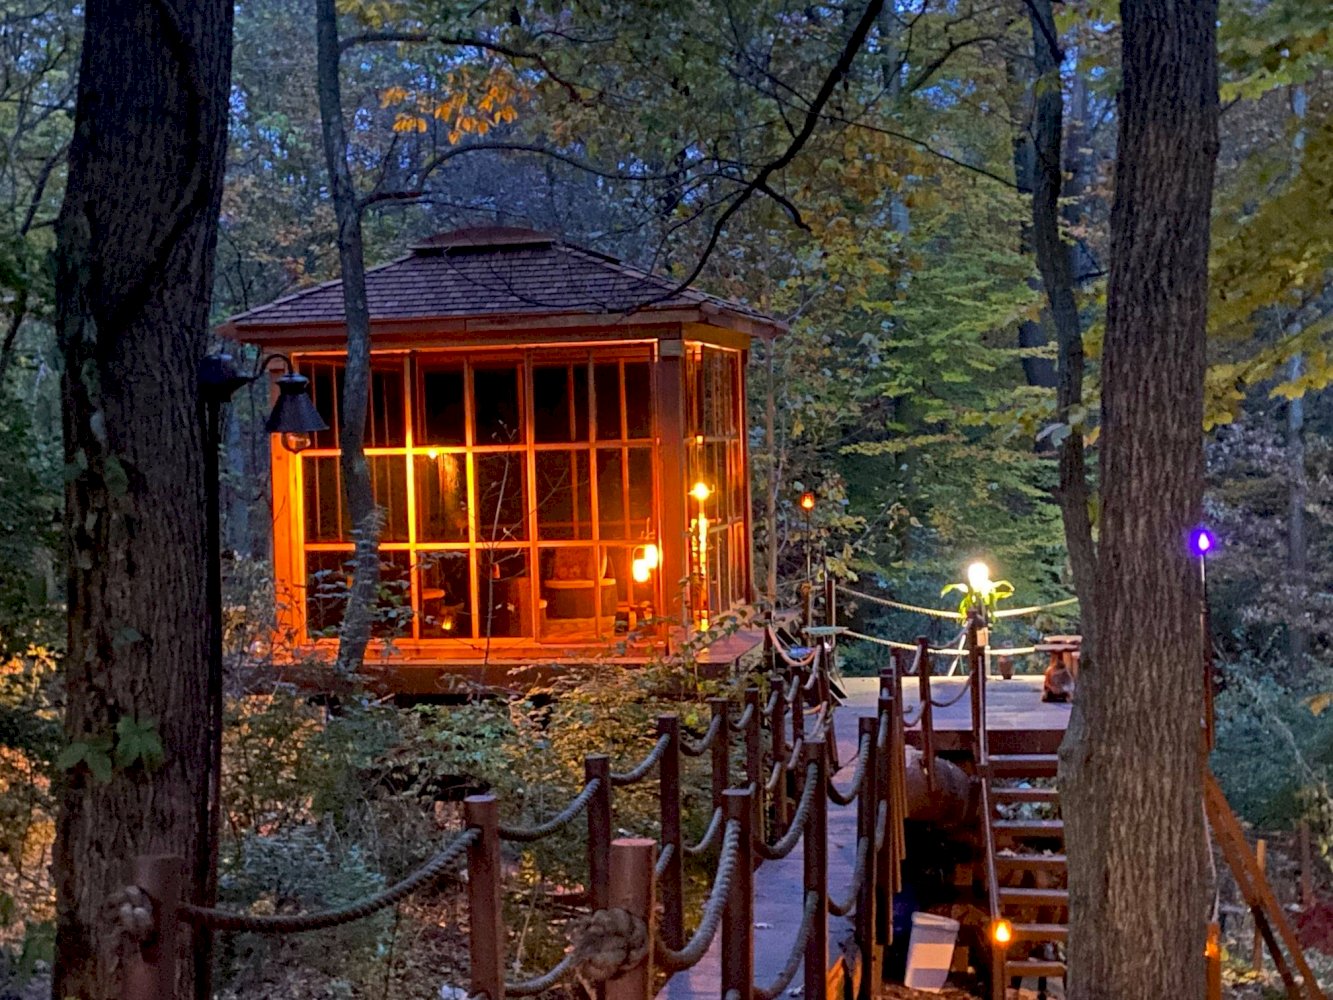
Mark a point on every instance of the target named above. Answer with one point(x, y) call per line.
point(557, 441)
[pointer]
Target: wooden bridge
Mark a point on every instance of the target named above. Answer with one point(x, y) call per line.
point(813, 795)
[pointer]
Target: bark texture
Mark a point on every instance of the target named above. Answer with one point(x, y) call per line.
point(1055, 260)
point(354, 635)
point(1131, 775)
point(135, 241)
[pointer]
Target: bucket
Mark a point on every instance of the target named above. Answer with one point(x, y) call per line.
point(930, 951)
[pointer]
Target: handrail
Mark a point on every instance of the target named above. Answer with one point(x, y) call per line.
point(529, 834)
point(678, 960)
point(997, 950)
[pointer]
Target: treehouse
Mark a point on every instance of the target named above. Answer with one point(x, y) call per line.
point(557, 443)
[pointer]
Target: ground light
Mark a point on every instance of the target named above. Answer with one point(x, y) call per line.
point(1002, 931)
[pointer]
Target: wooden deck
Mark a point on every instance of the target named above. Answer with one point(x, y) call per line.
point(1017, 720)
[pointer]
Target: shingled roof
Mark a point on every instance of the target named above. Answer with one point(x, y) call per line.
point(490, 272)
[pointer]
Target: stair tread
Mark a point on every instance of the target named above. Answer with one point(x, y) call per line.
point(1030, 764)
point(1034, 897)
point(1041, 932)
point(1028, 967)
point(1029, 827)
point(1010, 793)
point(1045, 862)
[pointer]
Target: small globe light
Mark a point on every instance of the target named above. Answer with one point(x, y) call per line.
point(978, 578)
point(700, 491)
point(640, 571)
point(1202, 541)
point(651, 557)
point(1002, 931)
point(807, 502)
point(296, 442)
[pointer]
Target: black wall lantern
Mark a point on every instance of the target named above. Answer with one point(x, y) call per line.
point(294, 415)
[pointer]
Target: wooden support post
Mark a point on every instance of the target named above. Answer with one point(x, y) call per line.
point(807, 604)
point(798, 707)
point(867, 812)
point(486, 938)
point(770, 649)
point(927, 711)
point(150, 970)
point(1261, 862)
point(886, 879)
point(1213, 954)
point(816, 876)
point(598, 766)
point(777, 729)
point(670, 887)
point(754, 757)
point(721, 749)
point(632, 863)
point(830, 599)
point(738, 916)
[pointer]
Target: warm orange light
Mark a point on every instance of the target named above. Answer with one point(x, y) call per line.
point(651, 557)
point(432, 453)
point(296, 442)
point(1002, 931)
point(807, 502)
point(698, 439)
point(639, 570)
point(700, 491)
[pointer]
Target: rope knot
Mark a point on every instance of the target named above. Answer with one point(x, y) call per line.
point(609, 943)
point(132, 912)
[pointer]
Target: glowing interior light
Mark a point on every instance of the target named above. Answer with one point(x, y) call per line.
point(700, 491)
point(296, 442)
point(978, 578)
point(807, 502)
point(1202, 541)
point(639, 569)
point(432, 453)
point(651, 556)
point(1002, 931)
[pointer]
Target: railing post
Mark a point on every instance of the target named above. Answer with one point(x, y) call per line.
point(927, 715)
point(830, 600)
point(738, 916)
point(808, 604)
point(754, 756)
point(777, 726)
point(816, 875)
point(798, 706)
point(486, 940)
point(721, 748)
point(150, 972)
point(886, 859)
point(770, 649)
point(673, 898)
point(825, 696)
point(867, 812)
point(632, 863)
point(598, 765)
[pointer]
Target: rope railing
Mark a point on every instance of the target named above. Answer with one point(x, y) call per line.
point(710, 835)
point(677, 960)
point(699, 749)
point(796, 828)
point(941, 613)
point(664, 860)
point(858, 777)
point(530, 834)
point(641, 770)
point(300, 923)
point(841, 909)
point(936, 650)
point(796, 955)
point(740, 724)
point(563, 970)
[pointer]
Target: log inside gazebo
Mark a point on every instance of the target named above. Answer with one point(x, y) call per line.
point(557, 442)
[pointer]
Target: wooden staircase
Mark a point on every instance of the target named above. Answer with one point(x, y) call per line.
point(1030, 864)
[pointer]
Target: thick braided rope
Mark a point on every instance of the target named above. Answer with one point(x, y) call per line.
point(609, 943)
point(937, 613)
point(796, 828)
point(563, 970)
point(882, 735)
point(967, 686)
point(858, 876)
point(710, 835)
point(797, 954)
point(793, 689)
point(771, 785)
point(640, 770)
point(858, 777)
point(299, 923)
point(711, 918)
point(795, 756)
point(937, 651)
point(790, 660)
point(526, 835)
point(664, 859)
point(739, 724)
point(771, 705)
point(699, 749)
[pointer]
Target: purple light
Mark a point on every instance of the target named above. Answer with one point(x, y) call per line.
point(1202, 541)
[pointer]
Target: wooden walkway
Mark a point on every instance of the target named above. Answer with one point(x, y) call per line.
point(1014, 711)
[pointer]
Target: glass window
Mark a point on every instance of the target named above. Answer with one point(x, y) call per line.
point(441, 417)
point(560, 403)
point(502, 497)
point(611, 512)
point(638, 400)
point(385, 426)
point(606, 387)
point(445, 582)
point(442, 496)
point(640, 490)
point(329, 580)
point(325, 520)
point(325, 388)
point(497, 405)
point(564, 507)
point(505, 594)
point(388, 474)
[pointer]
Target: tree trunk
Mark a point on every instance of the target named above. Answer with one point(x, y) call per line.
point(354, 635)
point(1055, 260)
point(135, 244)
point(1298, 636)
point(1131, 768)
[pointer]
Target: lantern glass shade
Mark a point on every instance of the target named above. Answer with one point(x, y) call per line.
point(807, 502)
point(294, 416)
point(651, 557)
